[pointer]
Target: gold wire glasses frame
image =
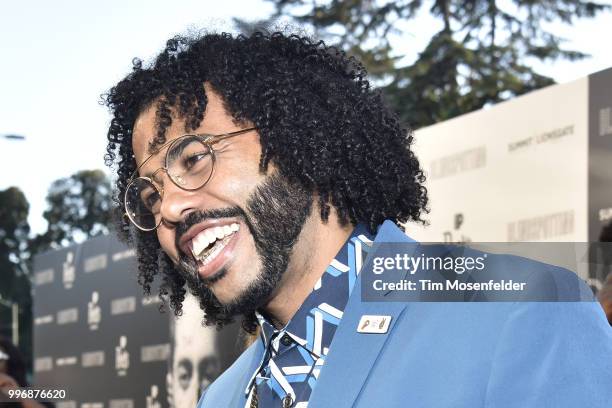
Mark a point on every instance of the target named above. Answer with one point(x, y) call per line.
point(205, 139)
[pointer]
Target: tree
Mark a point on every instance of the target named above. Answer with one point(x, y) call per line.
point(14, 227)
point(14, 280)
point(79, 208)
point(249, 27)
point(480, 55)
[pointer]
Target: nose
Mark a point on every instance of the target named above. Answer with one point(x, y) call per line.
point(176, 203)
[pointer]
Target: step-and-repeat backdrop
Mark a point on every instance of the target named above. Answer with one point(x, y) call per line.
point(97, 336)
point(535, 168)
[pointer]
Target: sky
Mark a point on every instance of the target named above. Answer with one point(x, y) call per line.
point(58, 57)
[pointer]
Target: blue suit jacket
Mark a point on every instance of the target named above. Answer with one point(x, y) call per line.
point(470, 354)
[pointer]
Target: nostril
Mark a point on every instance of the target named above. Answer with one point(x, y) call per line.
point(169, 224)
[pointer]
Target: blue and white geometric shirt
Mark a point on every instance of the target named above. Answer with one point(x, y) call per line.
point(295, 354)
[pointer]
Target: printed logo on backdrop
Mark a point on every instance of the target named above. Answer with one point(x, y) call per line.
point(67, 316)
point(68, 270)
point(43, 277)
point(150, 300)
point(456, 236)
point(99, 274)
point(94, 311)
point(459, 162)
point(121, 403)
point(43, 364)
point(66, 361)
point(540, 138)
point(122, 357)
point(605, 122)
point(156, 352)
point(93, 358)
point(46, 319)
point(123, 305)
point(153, 398)
point(543, 227)
point(128, 253)
point(92, 405)
point(95, 263)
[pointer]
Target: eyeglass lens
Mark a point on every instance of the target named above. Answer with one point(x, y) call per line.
point(189, 164)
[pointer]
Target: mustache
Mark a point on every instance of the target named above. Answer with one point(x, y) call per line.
point(199, 216)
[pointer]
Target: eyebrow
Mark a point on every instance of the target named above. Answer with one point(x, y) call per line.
point(159, 134)
point(175, 153)
point(178, 151)
point(154, 146)
point(151, 154)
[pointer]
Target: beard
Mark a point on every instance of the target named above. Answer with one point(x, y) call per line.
point(275, 215)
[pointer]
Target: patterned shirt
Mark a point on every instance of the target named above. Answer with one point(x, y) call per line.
point(295, 354)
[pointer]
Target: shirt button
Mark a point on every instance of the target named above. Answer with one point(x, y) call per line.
point(286, 340)
point(287, 401)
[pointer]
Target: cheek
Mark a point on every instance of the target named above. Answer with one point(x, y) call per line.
point(237, 180)
point(166, 240)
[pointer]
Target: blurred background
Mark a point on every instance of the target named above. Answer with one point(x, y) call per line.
point(433, 60)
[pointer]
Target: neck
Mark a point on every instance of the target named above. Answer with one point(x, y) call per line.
point(316, 247)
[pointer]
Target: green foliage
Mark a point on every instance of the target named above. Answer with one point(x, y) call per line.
point(14, 282)
point(14, 227)
point(249, 27)
point(79, 208)
point(481, 53)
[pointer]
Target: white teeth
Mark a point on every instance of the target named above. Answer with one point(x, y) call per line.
point(218, 231)
point(216, 250)
point(201, 241)
point(210, 236)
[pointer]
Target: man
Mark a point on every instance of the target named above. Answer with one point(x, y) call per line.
point(605, 294)
point(264, 168)
point(198, 355)
point(605, 298)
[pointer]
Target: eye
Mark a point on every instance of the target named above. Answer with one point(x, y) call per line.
point(192, 160)
point(184, 373)
point(151, 200)
point(188, 156)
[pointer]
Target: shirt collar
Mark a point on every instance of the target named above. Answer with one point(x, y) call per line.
point(334, 291)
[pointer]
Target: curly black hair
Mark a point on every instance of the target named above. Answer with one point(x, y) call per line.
point(319, 120)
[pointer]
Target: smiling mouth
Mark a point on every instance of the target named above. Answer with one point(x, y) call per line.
point(208, 244)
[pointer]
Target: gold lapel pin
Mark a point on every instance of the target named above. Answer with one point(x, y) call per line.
point(373, 324)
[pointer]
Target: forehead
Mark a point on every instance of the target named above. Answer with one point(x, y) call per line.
point(144, 127)
point(145, 131)
point(190, 337)
point(197, 344)
point(216, 120)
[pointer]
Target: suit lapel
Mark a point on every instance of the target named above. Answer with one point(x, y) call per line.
point(352, 355)
point(238, 399)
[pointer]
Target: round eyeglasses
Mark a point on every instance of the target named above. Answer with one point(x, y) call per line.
point(189, 164)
